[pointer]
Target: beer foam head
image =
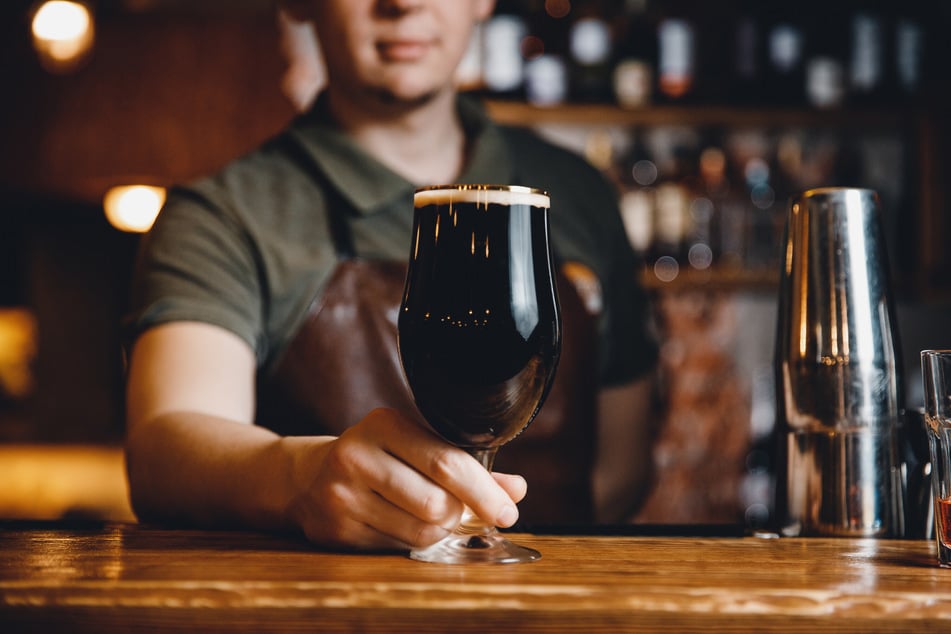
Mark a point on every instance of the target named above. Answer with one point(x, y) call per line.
point(482, 195)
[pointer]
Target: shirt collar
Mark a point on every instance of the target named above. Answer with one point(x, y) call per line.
point(370, 186)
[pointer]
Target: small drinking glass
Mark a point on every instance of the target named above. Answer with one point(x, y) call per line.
point(936, 374)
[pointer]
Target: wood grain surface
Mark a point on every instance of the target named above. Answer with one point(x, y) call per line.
point(123, 577)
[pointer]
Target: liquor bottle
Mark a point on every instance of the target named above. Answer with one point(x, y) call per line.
point(713, 51)
point(734, 231)
point(676, 56)
point(765, 214)
point(636, 56)
point(702, 174)
point(671, 213)
point(785, 73)
point(636, 179)
point(502, 63)
point(867, 55)
point(591, 47)
point(702, 226)
point(748, 50)
point(908, 56)
point(710, 201)
point(546, 52)
point(828, 59)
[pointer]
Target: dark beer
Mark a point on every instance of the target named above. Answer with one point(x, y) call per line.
point(479, 328)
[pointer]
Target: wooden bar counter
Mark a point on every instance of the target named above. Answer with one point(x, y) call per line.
point(125, 577)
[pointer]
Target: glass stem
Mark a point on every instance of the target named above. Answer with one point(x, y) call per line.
point(471, 523)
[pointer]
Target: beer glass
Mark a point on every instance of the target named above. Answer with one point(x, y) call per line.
point(479, 332)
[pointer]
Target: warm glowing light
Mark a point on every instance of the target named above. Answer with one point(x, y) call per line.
point(133, 208)
point(60, 20)
point(18, 336)
point(62, 33)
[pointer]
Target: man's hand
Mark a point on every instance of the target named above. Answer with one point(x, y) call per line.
point(387, 482)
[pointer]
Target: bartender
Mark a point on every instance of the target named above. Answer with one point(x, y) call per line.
point(262, 388)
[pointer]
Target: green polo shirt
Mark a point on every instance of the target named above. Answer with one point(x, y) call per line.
point(249, 248)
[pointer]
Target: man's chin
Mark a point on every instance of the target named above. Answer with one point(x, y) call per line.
point(403, 99)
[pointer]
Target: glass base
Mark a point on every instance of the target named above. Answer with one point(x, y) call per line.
point(462, 548)
point(475, 541)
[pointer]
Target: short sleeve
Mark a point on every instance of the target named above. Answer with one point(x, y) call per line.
point(629, 348)
point(197, 264)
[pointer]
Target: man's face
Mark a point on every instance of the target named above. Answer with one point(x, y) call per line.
point(395, 50)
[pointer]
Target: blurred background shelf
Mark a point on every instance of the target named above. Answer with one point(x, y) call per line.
point(521, 113)
point(716, 279)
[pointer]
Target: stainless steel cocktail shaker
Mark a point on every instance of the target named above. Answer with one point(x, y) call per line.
point(838, 371)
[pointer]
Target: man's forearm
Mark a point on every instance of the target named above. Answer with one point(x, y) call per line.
point(624, 464)
point(202, 470)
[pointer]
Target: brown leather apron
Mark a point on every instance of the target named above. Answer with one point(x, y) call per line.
point(344, 362)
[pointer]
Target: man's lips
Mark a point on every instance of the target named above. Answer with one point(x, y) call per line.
point(403, 50)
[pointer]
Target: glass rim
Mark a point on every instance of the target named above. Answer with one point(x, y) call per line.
point(936, 352)
point(832, 189)
point(481, 194)
point(521, 189)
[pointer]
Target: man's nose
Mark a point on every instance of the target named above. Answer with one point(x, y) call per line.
point(395, 8)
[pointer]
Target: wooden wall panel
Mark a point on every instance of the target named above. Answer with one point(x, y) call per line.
point(163, 98)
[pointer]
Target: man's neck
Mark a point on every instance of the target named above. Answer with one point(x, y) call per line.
point(423, 142)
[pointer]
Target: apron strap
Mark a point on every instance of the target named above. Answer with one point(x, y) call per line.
point(338, 209)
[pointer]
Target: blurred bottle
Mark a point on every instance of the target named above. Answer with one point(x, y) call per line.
point(702, 224)
point(712, 200)
point(787, 170)
point(676, 55)
point(908, 55)
point(545, 50)
point(636, 179)
point(759, 481)
point(695, 249)
point(733, 227)
point(826, 59)
point(671, 216)
point(503, 71)
point(546, 80)
point(591, 47)
point(735, 208)
point(867, 54)
point(636, 56)
point(785, 72)
point(749, 54)
point(765, 215)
